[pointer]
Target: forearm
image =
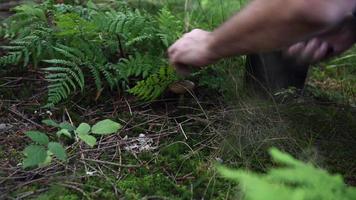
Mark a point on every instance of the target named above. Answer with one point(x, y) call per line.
point(268, 25)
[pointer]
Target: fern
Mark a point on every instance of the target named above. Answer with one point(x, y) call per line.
point(170, 27)
point(65, 76)
point(26, 17)
point(84, 45)
point(29, 48)
point(152, 87)
point(10, 59)
point(73, 25)
point(63, 79)
point(137, 66)
point(129, 28)
point(295, 181)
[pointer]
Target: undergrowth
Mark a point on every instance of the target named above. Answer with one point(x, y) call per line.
point(295, 181)
point(120, 45)
point(77, 45)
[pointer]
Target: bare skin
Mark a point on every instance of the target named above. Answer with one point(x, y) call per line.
point(325, 45)
point(263, 26)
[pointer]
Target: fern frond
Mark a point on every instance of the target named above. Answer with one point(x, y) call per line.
point(137, 66)
point(63, 80)
point(152, 87)
point(170, 27)
point(70, 68)
point(31, 47)
point(115, 76)
point(10, 59)
point(132, 27)
point(26, 17)
point(95, 72)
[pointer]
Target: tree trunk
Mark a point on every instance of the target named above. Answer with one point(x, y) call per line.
point(270, 72)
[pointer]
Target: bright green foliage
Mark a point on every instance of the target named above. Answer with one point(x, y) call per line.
point(66, 125)
point(64, 76)
point(171, 28)
point(58, 150)
point(73, 25)
point(106, 127)
point(84, 131)
point(41, 154)
point(29, 49)
point(35, 155)
point(137, 66)
point(154, 85)
point(28, 17)
point(30, 35)
point(295, 181)
point(78, 44)
point(130, 28)
point(83, 128)
point(88, 139)
point(38, 137)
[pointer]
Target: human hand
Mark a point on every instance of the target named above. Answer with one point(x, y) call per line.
point(325, 45)
point(192, 50)
point(309, 52)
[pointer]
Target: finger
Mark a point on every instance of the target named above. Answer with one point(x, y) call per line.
point(181, 68)
point(172, 48)
point(308, 51)
point(177, 44)
point(295, 50)
point(321, 53)
point(173, 59)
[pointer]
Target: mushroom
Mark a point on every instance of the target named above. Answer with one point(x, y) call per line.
point(181, 87)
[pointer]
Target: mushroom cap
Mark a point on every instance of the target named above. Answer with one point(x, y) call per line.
point(181, 87)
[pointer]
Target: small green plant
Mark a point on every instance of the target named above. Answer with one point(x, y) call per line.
point(41, 153)
point(84, 131)
point(295, 181)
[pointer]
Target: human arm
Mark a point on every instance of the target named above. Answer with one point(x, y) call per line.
point(261, 26)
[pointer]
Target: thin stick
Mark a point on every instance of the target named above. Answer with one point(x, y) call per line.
point(181, 129)
point(112, 163)
point(25, 118)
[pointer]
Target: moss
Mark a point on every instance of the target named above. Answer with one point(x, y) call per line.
point(58, 193)
point(156, 184)
point(174, 173)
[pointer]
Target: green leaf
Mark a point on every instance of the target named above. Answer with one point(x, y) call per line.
point(35, 155)
point(92, 5)
point(88, 139)
point(106, 127)
point(283, 158)
point(50, 122)
point(38, 137)
point(48, 160)
point(83, 128)
point(64, 132)
point(67, 125)
point(58, 150)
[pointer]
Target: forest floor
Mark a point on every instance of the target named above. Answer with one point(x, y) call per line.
point(167, 149)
